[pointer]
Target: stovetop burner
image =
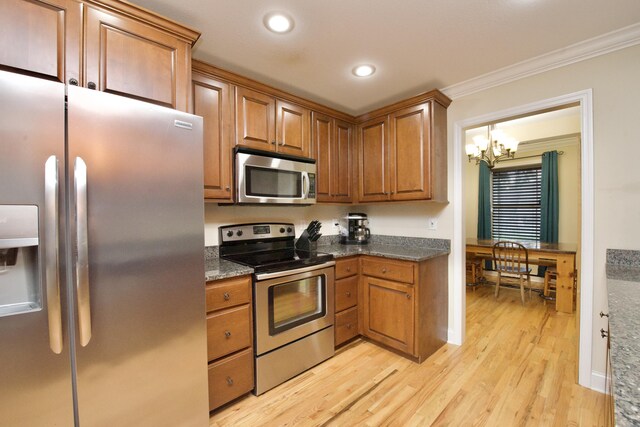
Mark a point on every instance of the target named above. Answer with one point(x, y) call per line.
point(266, 247)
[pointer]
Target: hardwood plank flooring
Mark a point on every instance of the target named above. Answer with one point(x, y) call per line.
point(517, 367)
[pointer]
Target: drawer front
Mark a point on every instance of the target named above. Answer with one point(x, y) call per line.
point(390, 270)
point(228, 331)
point(346, 293)
point(228, 293)
point(229, 378)
point(346, 267)
point(346, 326)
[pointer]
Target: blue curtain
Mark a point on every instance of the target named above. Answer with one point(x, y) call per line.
point(484, 205)
point(549, 204)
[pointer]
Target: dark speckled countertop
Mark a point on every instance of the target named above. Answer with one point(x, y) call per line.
point(623, 287)
point(394, 247)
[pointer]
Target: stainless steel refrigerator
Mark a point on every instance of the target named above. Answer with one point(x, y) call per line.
point(102, 304)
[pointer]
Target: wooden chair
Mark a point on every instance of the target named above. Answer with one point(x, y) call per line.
point(550, 277)
point(474, 272)
point(512, 260)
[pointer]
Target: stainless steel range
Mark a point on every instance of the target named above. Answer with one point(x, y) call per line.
point(293, 294)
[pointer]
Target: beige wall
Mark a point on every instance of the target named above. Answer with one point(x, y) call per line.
point(568, 187)
point(614, 81)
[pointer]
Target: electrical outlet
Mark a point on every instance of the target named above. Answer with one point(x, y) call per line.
point(432, 223)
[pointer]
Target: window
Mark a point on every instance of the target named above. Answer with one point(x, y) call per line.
point(516, 197)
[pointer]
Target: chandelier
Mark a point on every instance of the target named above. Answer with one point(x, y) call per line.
point(491, 149)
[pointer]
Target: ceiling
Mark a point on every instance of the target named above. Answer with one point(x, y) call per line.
point(416, 45)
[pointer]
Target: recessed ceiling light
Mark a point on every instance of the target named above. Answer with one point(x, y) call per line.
point(364, 70)
point(278, 22)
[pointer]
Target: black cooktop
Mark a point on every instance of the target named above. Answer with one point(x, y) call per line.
point(279, 259)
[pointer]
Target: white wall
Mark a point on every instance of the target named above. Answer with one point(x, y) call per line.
point(614, 81)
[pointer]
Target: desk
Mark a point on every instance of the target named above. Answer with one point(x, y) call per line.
point(563, 255)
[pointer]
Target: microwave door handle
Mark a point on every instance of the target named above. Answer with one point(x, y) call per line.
point(305, 185)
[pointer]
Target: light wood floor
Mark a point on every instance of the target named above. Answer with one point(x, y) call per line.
point(517, 367)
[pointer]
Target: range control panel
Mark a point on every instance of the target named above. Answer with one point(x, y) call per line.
point(257, 231)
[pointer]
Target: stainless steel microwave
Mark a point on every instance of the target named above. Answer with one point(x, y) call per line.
point(264, 177)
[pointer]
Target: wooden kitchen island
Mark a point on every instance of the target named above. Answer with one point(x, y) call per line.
point(562, 255)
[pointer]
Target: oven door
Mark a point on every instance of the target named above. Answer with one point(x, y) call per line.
point(262, 179)
point(293, 304)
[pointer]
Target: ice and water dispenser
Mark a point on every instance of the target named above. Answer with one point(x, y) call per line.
point(20, 289)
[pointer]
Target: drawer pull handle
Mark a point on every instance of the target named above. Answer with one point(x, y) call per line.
point(226, 296)
point(227, 334)
point(229, 380)
point(384, 270)
point(603, 314)
point(603, 333)
point(348, 293)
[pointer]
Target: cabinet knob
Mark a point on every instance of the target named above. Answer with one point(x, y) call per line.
point(229, 380)
point(227, 334)
point(384, 270)
point(602, 314)
point(348, 325)
point(227, 188)
point(348, 293)
point(226, 296)
point(73, 82)
point(603, 333)
point(348, 269)
point(91, 85)
point(408, 296)
point(273, 143)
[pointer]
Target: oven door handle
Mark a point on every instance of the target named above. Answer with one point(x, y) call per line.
point(276, 274)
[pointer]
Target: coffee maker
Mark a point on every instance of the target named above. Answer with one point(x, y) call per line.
point(358, 233)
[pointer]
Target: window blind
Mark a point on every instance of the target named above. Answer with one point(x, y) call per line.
point(516, 197)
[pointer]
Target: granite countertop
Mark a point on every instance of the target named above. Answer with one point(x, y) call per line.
point(216, 269)
point(416, 254)
point(623, 287)
point(403, 248)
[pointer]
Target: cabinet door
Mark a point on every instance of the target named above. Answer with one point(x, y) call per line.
point(211, 100)
point(41, 38)
point(409, 153)
point(292, 129)
point(373, 157)
point(129, 58)
point(255, 119)
point(342, 163)
point(389, 313)
point(322, 150)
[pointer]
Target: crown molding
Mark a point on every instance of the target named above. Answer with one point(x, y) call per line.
point(601, 45)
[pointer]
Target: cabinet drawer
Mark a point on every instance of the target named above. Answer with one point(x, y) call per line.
point(228, 331)
point(346, 267)
point(390, 270)
point(346, 293)
point(228, 293)
point(230, 377)
point(346, 326)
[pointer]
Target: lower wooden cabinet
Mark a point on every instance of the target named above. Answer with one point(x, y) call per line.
point(230, 377)
point(346, 299)
point(229, 339)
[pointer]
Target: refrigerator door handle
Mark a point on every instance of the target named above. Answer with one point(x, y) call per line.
point(52, 254)
point(82, 251)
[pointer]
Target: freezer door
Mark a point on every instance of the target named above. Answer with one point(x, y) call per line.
point(35, 366)
point(136, 198)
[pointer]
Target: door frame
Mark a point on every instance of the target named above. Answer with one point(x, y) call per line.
point(458, 304)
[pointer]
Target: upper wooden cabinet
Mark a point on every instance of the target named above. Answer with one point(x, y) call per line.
point(333, 152)
point(373, 160)
point(125, 50)
point(266, 123)
point(402, 154)
point(41, 38)
point(212, 101)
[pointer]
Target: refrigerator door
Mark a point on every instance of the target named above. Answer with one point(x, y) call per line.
point(137, 227)
point(35, 366)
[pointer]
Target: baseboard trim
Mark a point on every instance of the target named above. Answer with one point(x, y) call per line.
point(599, 382)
